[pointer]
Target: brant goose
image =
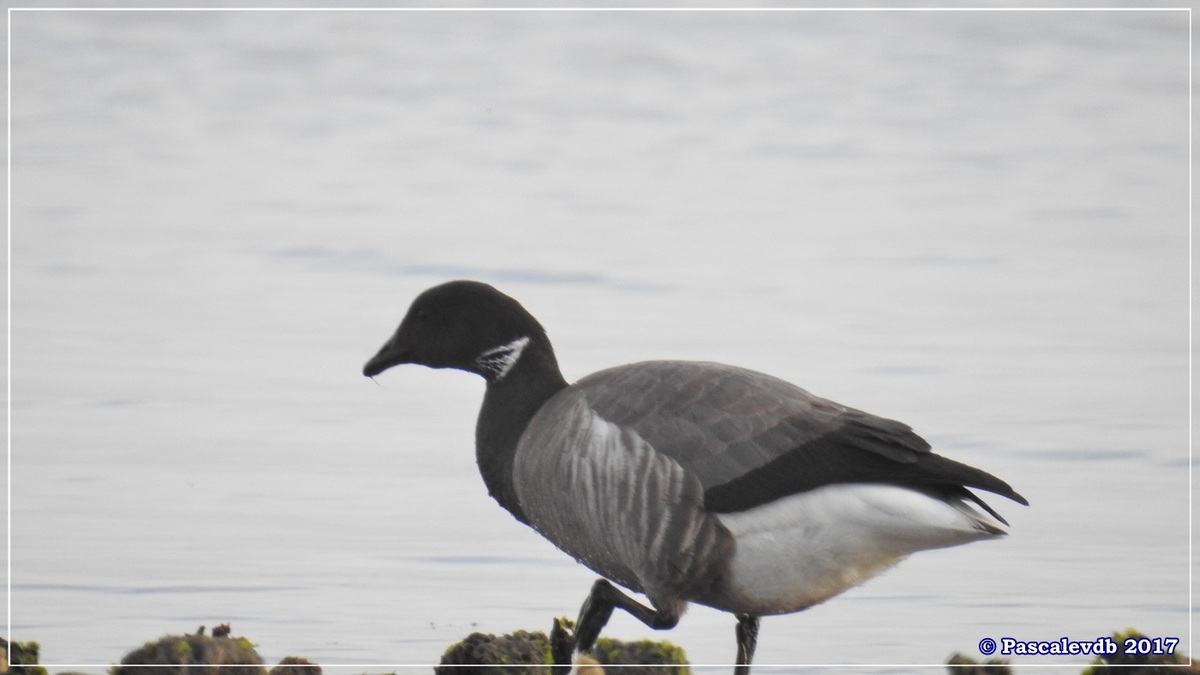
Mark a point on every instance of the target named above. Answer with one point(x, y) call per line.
point(690, 482)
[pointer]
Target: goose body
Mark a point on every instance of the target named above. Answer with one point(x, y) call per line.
point(691, 481)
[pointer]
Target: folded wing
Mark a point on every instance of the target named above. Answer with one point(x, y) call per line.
point(750, 438)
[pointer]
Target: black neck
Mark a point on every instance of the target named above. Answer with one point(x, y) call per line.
point(508, 406)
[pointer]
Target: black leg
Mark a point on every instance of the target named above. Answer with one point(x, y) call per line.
point(594, 615)
point(747, 638)
point(598, 608)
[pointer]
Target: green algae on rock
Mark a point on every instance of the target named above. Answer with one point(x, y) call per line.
point(963, 665)
point(21, 658)
point(293, 665)
point(519, 653)
point(643, 655)
point(1169, 659)
point(532, 653)
point(189, 654)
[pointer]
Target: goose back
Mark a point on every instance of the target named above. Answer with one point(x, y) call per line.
point(750, 438)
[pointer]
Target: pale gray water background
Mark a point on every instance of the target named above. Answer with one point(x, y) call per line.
point(975, 222)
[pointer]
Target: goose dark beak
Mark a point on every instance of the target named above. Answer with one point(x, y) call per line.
point(391, 354)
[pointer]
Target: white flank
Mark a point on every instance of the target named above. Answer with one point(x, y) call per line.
point(500, 360)
point(808, 547)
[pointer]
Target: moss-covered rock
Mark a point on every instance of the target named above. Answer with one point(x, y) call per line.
point(532, 653)
point(188, 654)
point(644, 654)
point(293, 665)
point(1122, 663)
point(21, 658)
point(963, 665)
point(519, 653)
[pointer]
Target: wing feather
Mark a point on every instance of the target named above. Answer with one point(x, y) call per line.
point(750, 438)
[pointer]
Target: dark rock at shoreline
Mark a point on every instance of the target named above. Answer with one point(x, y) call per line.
point(963, 665)
point(293, 665)
point(532, 653)
point(21, 658)
point(643, 657)
point(1173, 663)
point(188, 654)
point(519, 653)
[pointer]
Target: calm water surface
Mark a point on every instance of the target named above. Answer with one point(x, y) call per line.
point(975, 222)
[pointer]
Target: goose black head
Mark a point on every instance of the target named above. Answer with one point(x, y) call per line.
point(466, 325)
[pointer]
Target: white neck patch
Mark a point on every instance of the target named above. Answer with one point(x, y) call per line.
point(499, 360)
